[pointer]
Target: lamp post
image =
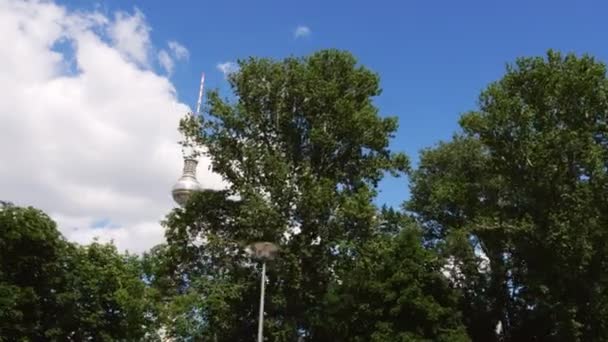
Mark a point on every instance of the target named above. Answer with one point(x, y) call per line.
point(263, 251)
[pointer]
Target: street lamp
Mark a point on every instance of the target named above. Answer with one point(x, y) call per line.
point(263, 251)
point(187, 185)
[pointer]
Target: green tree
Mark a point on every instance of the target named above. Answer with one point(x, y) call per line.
point(53, 290)
point(394, 290)
point(31, 266)
point(525, 182)
point(107, 299)
point(303, 148)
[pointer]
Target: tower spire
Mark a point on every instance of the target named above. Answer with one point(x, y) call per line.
point(187, 183)
point(200, 95)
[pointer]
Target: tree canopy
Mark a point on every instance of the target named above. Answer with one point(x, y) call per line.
point(525, 183)
point(53, 290)
point(303, 148)
point(504, 236)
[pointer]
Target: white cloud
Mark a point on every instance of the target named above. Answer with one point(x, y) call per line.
point(227, 68)
point(98, 141)
point(166, 61)
point(301, 31)
point(179, 51)
point(130, 35)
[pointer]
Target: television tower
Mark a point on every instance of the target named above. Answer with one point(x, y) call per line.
point(187, 184)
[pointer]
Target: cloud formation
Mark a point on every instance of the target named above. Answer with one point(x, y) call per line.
point(227, 68)
point(179, 51)
point(165, 61)
point(88, 129)
point(130, 35)
point(301, 32)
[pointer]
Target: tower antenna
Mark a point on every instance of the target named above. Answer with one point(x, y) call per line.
point(187, 184)
point(200, 95)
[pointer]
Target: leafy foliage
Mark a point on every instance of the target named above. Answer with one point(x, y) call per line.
point(54, 290)
point(504, 237)
point(394, 290)
point(526, 184)
point(303, 148)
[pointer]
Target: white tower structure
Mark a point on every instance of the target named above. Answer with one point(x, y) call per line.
point(187, 184)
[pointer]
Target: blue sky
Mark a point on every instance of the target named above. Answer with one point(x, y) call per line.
point(433, 57)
